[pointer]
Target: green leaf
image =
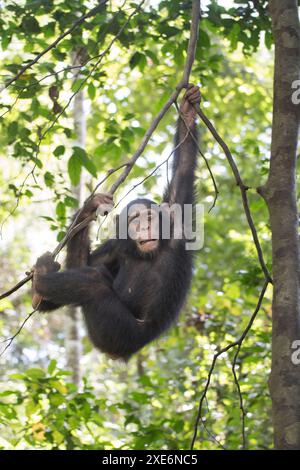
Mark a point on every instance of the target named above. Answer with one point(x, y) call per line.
point(56, 399)
point(57, 437)
point(30, 25)
point(49, 179)
point(60, 210)
point(91, 91)
point(35, 373)
point(268, 39)
point(84, 160)
point(60, 150)
point(135, 59)
point(71, 201)
point(60, 235)
point(60, 387)
point(74, 170)
point(152, 56)
point(12, 130)
point(52, 366)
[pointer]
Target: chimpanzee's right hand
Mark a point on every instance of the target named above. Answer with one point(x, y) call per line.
point(102, 203)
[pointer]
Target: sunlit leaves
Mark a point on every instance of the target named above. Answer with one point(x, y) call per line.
point(157, 408)
point(78, 160)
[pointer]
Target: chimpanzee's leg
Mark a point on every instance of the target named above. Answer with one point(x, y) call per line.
point(74, 286)
point(112, 327)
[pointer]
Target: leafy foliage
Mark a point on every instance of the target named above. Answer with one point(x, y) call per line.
point(151, 403)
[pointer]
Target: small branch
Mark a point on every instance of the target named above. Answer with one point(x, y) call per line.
point(243, 189)
point(72, 230)
point(16, 287)
point(10, 340)
point(238, 343)
point(77, 23)
point(154, 170)
point(238, 387)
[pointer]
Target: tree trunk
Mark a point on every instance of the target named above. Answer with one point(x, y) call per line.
point(280, 195)
point(73, 316)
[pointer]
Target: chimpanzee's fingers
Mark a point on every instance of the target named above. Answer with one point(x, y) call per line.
point(195, 98)
point(192, 91)
point(103, 197)
point(188, 88)
point(108, 199)
point(107, 195)
point(45, 258)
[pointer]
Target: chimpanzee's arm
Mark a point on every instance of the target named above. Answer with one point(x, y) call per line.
point(74, 286)
point(107, 254)
point(78, 248)
point(77, 256)
point(181, 188)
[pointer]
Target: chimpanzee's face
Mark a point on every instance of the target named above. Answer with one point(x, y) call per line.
point(143, 227)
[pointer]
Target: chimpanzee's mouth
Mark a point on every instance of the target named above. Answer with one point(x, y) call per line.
point(148, 245)
point(150, 240)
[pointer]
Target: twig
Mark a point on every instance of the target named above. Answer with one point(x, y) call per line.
point(16, 287)
point(73, 229)
point(243, 189)
point(154, 170)
point(238, 343)
point(10, 340)
point(77, 23)
point(12, 105)
point(237, 384)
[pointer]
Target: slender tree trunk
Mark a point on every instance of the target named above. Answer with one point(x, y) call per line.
point(73, 316)
point(280, 195)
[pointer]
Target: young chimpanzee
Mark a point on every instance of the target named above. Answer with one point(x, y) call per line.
point(130, 290)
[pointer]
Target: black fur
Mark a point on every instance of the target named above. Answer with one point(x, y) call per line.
point(128, 299)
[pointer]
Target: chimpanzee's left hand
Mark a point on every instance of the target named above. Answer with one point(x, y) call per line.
point(44, 264)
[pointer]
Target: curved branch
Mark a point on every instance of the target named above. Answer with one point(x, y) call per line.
point(243, 189)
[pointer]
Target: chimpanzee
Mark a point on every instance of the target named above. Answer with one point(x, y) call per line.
point(130, 290)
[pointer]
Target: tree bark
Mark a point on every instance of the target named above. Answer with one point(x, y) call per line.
point(280, 195)
point(73, 316)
